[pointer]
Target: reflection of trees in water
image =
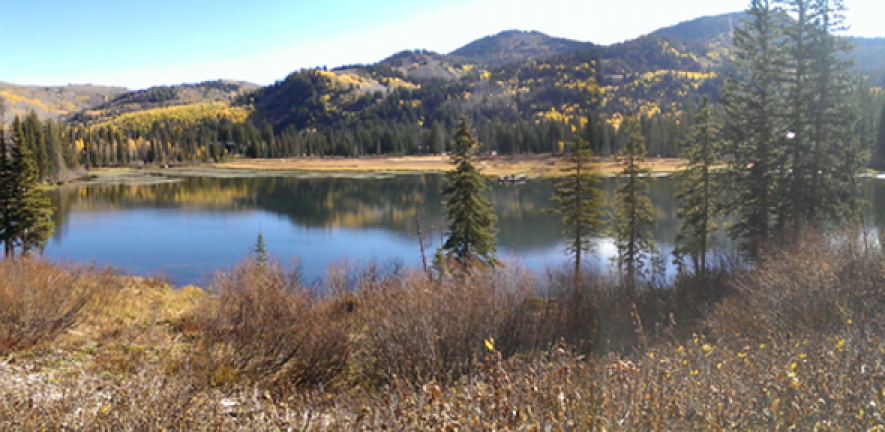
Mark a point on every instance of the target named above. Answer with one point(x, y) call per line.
point(382, 203)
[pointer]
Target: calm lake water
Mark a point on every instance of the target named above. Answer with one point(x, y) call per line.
point(193, 226)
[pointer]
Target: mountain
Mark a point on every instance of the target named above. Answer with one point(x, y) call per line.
point(514, 46)
point(55, 102)
point(869, 58)
point(419, 65)
point(162, 97)
point(708, 29)
point(523, 92)
point(869, 53)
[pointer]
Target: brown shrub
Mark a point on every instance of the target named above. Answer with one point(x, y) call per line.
point(263, 326)
point(418, 330)
point(39, 300)
point(821, 285)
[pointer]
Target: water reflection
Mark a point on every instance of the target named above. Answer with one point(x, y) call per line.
point(189, 228)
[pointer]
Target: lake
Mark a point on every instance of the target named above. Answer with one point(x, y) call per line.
point(187, 226)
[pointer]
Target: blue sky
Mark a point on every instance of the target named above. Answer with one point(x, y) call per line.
point(138, 44)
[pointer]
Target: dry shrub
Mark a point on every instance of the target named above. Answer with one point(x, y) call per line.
point(820, 284)
point(419, 330)
point(556, 390)
point(261, 325)
point(600, 316)
point(40, 300)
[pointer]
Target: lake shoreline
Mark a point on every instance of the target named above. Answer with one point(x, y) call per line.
point(493, 167)
point(541, 165)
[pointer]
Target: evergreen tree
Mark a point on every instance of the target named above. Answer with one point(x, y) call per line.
point(35, 140)
point(796, 81)
point(580, 203)
point(31, 216)
point(699, 186)
point(879, 161)
point(260, 251)
point(471, 231)
point(7, 206)
point(835, 152)
point(755, 130)
point(634, 215)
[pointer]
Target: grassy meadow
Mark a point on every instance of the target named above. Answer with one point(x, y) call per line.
point(793, 343)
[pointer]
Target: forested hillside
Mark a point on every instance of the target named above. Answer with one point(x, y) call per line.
point(522, 91)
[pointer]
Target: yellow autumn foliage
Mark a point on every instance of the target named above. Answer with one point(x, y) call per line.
point(185, 115)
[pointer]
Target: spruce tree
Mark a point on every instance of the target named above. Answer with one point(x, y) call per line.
point(634, 215)
point(260, 251)
point(580, 203)
point(35, 141)
point(31, 214)
point(796, 82)
point(471, 231)
point(835, 149)
point(699, 187)
point(755, 129)
point(6, 186)
point(879, 161)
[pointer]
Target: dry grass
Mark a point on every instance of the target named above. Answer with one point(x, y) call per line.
point(544, 165)
point(263, 327)
point(793, 344)
point(418, 330)
point(39, 300)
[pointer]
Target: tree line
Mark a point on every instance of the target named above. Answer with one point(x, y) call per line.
point(787, 131)
point(25, 211)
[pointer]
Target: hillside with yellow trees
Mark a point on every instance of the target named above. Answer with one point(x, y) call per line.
point(523, 92)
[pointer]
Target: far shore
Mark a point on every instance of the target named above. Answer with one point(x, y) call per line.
point(543, 165)
point(532, 166)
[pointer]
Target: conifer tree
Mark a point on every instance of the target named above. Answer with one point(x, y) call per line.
point(6, 186)
point(879, 162)
point(260, 251)
point(31, 215)
point(35, 140)
point(699, 186)
point(634, 215)
point(796, 81)
point(835, 151)
point(471, 233)
point(755, 129)
point(580, 203)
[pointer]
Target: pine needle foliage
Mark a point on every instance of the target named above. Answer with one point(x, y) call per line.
point(791, 124)
point(6, 188)
point(755, 129)
point(580, 203)
point(697, 203)
point(30, 221)
point(634, 215)
point(260, 251)
point(471, 234)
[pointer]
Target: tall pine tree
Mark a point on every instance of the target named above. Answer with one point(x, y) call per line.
point(699, 187)
point(634, 215)
point(755, 129)
point(835, 152)
point(879, 162)
point(31, 214)
point(471, 232)
point(7, 206)
point(580, 203)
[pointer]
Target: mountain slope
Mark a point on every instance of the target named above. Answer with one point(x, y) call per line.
point(869, 57)
point(163, 97)
point(514, 46)
point(55, 102)
point(708, 29)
